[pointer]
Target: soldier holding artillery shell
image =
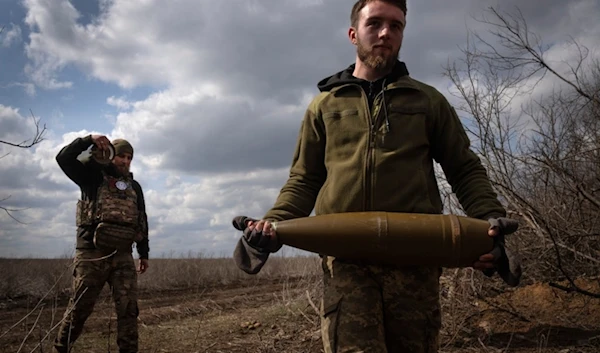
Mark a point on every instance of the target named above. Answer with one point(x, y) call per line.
point(368, 142)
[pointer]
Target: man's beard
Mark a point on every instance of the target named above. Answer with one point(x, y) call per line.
point(377, 62)
point(122, 170)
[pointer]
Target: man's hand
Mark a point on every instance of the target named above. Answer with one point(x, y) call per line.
point(486, 261)
point(101, 142)
point(143, 266)
point(498, 227)
point(261, 233)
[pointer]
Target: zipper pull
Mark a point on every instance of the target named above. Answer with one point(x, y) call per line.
point(387, 120)
point(373, 136)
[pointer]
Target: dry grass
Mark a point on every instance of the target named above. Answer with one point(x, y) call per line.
point(174, 294)
point(206, 305)
point(198, 273)
point(33, 279)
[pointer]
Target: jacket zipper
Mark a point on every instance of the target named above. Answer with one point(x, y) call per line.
point(373, 125)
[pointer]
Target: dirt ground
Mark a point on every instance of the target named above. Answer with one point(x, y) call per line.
point(280, 316)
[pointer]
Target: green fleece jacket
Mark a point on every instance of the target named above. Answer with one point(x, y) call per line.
point(370, 146)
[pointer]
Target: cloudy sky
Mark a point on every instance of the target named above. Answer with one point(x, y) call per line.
point(210, 93)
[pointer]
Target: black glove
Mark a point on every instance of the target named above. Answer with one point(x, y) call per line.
point(253, 249)
point(253, 237)
point(505, 225)
point(507, 265)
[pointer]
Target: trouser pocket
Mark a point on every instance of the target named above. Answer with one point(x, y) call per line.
point(330, 309)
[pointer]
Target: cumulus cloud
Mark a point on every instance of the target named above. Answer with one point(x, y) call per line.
point(253, 49)
point(245, 49)
point(196, 214)
point(119, 103)
point(27, 87)
point(193, 131)
point(10, 36)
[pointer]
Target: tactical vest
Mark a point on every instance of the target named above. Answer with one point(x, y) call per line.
point(114, 213)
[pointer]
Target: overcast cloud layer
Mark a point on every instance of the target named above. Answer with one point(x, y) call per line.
point(228, 84)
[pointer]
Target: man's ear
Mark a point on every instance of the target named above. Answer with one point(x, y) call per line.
point(352, 35)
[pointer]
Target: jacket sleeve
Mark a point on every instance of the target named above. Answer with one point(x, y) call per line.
point(143, 246)
point(307, 173)
point(81, 174)
point(462, 167)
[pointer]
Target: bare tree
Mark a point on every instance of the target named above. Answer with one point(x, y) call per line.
point(38, 136)
point(542, 152)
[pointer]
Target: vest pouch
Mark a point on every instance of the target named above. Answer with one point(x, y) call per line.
point(111, 236)
point(120, 211)
point(84, 213)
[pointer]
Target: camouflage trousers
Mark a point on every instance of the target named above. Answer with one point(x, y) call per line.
point(379, 309)
point(89, 278)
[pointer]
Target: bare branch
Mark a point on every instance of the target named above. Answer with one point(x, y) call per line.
point(10, 210)
point(513, 34)
point(542, 157)
point(574, 289)
point(37, 137)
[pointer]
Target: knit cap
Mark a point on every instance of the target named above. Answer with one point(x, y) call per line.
point(122, 146)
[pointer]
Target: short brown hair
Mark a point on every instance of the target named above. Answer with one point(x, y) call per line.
point(401, 4)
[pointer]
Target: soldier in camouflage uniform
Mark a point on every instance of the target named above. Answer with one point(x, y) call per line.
point(111, 216)
point(367, 143)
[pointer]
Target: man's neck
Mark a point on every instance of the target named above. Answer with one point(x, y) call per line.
point(364, 72)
